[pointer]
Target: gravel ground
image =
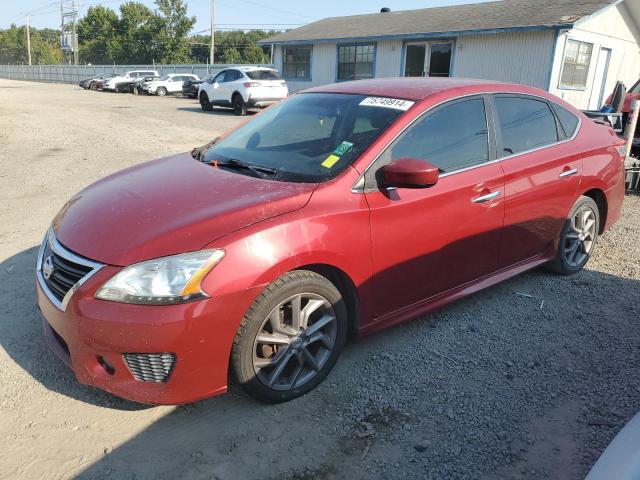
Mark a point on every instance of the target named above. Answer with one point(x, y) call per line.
point(497, 386)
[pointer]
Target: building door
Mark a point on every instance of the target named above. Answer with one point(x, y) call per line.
point(428, 59)
point(600, 79)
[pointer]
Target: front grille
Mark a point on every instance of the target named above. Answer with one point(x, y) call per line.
point(64, 274)
point(150, 367)
point(61, 271)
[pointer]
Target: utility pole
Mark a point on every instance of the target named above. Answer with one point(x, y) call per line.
point(26, 16)
point(213, 32)
point(74, 38)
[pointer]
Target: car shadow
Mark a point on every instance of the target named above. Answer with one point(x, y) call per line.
point(22, 337)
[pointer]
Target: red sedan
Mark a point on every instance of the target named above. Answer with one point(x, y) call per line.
point(343, 210)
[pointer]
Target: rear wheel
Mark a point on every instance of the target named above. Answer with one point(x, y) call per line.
point(205, 104)
point(93, 86)
point(239, 107)
point(161, 92)
point(578, 238)
point(290, 338)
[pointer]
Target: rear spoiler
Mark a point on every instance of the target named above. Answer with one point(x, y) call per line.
point(610, 119)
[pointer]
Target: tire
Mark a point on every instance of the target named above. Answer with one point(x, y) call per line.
point(578, 238)
point(93, 86)
point(205, 103)
point(161, 92)
point(239, 107)
point(303, 359)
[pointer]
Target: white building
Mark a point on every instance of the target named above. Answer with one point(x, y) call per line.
point(576, 49)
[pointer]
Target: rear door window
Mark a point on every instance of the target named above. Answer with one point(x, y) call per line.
point(525, 124)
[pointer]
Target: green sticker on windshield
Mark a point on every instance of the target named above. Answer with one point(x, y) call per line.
point(343, 148)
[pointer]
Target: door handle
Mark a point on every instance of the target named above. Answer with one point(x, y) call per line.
point(487, 197)
point(568, 173)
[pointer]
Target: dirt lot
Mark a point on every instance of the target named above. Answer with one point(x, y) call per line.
point(499, 385)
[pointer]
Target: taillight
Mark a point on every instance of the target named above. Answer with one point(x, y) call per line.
point(283, 83)
point(251, 84)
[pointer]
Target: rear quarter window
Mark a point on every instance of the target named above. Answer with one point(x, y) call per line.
point(568, 121)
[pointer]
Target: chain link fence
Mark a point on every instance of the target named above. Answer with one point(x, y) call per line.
point(76, 73)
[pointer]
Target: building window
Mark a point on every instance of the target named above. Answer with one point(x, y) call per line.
point(575, 67)
point(297, 63)
point(356, 61)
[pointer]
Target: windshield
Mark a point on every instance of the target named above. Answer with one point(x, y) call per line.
point(311, 137)
point(165, 78)
point(263, 75)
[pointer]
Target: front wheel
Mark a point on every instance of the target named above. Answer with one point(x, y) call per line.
point(93, 86)
point(290, 338)
point(239, 107)
point(161, 92)
point(578, 238)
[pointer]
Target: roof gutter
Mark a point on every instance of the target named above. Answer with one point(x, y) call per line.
point(417, 36)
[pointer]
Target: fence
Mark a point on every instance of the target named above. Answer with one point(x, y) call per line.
point(75, 73)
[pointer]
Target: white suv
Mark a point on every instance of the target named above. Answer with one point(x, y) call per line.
point(241, 88)
point(128, 78)
point(168, 84)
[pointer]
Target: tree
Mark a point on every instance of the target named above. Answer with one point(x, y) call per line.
point(231, 55)
point(98, 35)
point(137, 32)
point(172, 24)
point(45, 46)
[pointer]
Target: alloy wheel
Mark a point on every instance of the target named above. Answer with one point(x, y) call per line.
point(295, 341)
point(580, 236)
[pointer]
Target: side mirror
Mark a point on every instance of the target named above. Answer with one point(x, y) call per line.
point(410, 173)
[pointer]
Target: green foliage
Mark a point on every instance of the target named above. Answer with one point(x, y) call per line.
point(45, 46)
point(136, 35)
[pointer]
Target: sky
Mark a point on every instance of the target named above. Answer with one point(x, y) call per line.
point(230, 14)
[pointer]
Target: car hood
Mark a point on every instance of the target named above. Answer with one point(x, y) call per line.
point(168, 206)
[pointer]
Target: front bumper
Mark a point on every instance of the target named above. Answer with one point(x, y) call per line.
point(92, 333)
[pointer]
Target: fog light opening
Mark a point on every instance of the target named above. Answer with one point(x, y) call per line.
point(104, 363)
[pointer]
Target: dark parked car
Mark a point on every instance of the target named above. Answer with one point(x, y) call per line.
point(347, 208)
point(138, 87)
point(190, 88)
point(92, 83)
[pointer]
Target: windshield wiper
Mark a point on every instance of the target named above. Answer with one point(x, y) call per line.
point(235, 164)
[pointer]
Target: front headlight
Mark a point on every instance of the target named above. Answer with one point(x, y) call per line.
point(162, 281)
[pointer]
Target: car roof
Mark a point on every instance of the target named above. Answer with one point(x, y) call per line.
point(419, 88)
point(250, 68)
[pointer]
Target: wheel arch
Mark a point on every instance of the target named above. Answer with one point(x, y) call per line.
point(598, 196)
point(341, 280)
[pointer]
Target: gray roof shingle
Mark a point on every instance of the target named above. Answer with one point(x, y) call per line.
point(499, 15)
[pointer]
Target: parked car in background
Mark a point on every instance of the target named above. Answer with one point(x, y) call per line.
point(92, 83)
point(190, 88)
point(169, 84)
point(138, 87)
point(122, 83)
point(241, 88)
point(346, 208)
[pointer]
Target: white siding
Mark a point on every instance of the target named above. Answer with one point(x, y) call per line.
point(613, 28)
point(519, 57)
point(388, 58)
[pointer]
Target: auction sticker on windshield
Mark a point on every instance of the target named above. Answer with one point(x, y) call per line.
point(395, 103)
